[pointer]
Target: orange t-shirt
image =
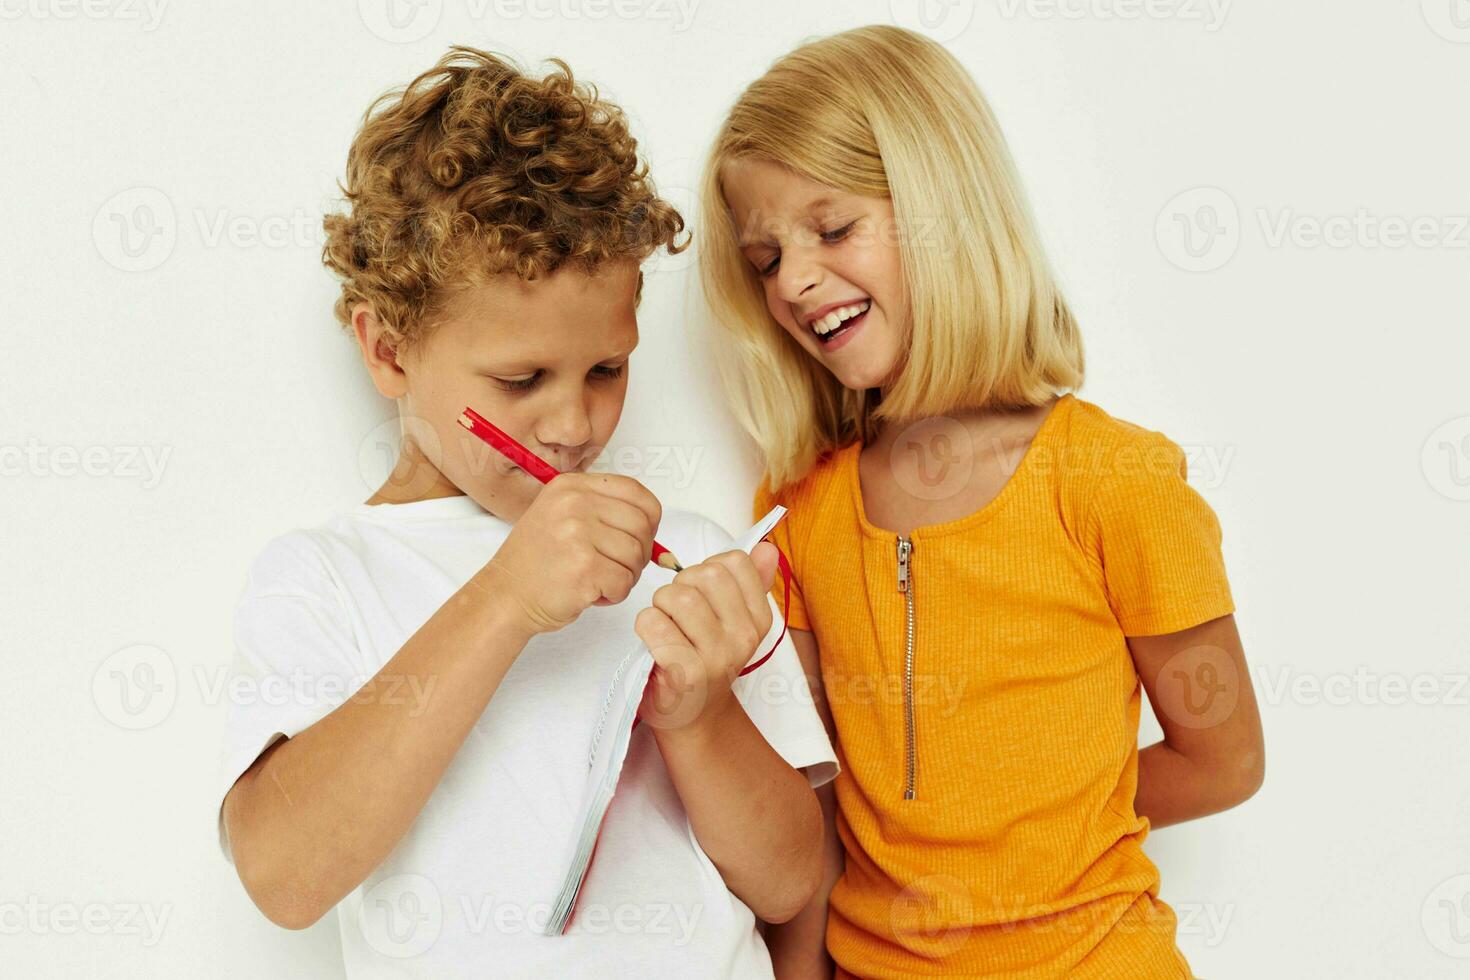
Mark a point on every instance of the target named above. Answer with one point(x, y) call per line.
point(998, 691)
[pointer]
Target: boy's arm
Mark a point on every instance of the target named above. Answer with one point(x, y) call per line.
point(1213, 754)
point(799, 947)
point(316, 813)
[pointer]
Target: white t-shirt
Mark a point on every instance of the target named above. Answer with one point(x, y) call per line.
point(464, 894)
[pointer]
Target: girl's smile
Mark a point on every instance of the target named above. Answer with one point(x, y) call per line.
point(828, 264)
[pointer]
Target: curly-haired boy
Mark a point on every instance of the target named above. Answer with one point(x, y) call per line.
point(438, 653)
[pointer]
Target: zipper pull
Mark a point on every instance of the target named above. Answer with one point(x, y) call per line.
point(905, 548)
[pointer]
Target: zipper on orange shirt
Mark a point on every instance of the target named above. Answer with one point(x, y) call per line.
point(906, 586)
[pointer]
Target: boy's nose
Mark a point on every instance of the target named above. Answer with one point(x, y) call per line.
point(565, 436)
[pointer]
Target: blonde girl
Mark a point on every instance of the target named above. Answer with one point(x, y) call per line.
point(991, 571)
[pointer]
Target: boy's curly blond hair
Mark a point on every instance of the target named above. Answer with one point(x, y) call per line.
point(475, 169)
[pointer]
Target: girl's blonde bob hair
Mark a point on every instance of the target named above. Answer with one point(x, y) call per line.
point(885, 112)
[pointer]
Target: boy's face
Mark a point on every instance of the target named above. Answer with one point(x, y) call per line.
point(546, 361)
point(829, 264)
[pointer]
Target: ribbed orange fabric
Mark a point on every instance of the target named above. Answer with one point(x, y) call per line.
point(1020, 854)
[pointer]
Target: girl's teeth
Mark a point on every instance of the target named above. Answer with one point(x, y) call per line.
point(835, 319)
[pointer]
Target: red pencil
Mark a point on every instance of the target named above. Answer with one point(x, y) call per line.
point(540, 469)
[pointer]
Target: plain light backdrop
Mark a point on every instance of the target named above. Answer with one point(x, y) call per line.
point(1258, 210)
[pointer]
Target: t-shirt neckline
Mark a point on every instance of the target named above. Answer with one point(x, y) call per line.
point(1041, 439)
point(433, 509)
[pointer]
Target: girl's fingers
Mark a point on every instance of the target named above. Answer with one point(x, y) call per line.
point(718, 585)
point(748, 577)
point(691, 611)
point(659, 633)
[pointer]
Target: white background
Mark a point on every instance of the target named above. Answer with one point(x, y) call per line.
point(1319, 387)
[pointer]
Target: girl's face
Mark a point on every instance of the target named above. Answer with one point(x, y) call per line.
point(829, 263)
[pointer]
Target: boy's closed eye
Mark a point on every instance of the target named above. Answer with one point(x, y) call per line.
point(602, 372)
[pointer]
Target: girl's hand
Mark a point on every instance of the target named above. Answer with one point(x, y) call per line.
point(702, 629)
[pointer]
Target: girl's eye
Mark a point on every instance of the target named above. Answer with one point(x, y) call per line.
point(518, 384)
point(838, 234)
point(769, 269)
point(605, 373)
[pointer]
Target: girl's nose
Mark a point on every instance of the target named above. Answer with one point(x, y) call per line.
point(797, 274)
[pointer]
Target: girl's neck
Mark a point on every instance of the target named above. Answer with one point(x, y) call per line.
point(982, 423)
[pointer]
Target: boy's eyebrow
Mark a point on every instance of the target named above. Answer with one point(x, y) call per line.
point(529, 366)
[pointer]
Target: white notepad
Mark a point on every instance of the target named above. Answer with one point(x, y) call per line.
point(609, 747)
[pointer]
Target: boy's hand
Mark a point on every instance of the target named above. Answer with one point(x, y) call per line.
point(702, 629)
point(584, 541)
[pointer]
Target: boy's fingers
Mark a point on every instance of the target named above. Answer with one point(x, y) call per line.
point(621, 547)
point(613, 583)
point(626, 517)
point(630, 490)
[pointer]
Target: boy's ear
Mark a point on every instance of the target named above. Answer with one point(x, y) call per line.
point(378, 353)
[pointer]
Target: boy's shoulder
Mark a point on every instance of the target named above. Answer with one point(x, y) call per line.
point(291, 560)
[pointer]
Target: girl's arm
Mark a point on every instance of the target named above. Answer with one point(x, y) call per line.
point(752, 813)
point(1213, 754)
point(799, 947)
